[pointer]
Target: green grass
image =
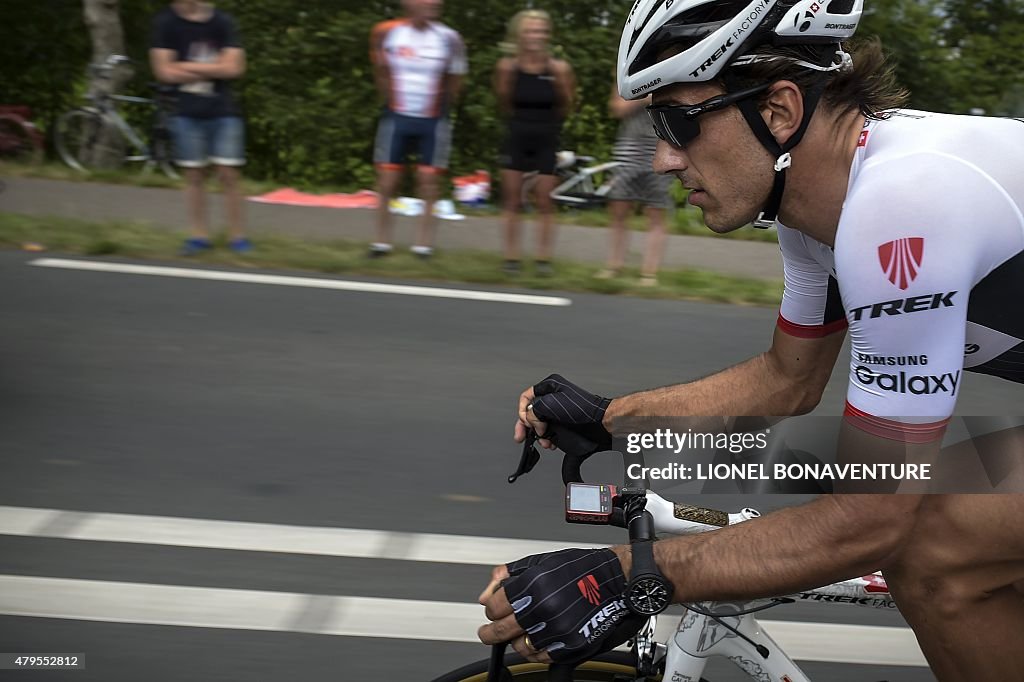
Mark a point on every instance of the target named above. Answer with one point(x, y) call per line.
point(683, 220)
point(137, 240)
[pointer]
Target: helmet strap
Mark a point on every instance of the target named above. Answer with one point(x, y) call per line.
point(751, 112)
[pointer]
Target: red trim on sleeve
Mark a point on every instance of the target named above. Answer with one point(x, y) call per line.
point(810, 331)
point(893, 430)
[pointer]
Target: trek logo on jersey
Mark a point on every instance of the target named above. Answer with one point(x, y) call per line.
point(916, 384)
point(901, 260)
point(604, 620)
point(589, 589)
point(902, 306)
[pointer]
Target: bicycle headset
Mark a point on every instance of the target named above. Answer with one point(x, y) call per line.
point(703, 39)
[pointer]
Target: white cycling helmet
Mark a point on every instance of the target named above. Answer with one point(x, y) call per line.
point(711, 35)
point(714, 33)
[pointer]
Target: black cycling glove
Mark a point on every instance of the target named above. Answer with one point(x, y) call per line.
point(560, 402)
point(570, 602)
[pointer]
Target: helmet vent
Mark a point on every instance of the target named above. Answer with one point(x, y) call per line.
point(840, 6)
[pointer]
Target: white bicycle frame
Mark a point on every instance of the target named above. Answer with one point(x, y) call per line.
point(581, 181)
point(110, 113)
point(700, 637)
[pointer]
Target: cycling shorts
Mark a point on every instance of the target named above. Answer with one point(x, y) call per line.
point(530, 146)
point(399, 136)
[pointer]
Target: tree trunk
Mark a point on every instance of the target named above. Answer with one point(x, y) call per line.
point(103, 19)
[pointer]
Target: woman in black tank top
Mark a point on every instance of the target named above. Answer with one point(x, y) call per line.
point(535, 93)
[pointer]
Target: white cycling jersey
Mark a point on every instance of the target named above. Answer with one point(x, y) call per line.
point(417, 59)
point(927, 269)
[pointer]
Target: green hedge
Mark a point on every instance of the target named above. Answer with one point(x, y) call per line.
point(312, 107)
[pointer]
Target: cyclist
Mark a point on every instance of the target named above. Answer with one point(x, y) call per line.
point(765, 114)
point(418, 65)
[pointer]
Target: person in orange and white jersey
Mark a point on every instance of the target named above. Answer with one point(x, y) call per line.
point(418, 66)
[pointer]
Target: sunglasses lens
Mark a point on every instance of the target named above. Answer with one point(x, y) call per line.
point(674, 126)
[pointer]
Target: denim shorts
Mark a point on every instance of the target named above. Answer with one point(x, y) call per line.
point(199, 142)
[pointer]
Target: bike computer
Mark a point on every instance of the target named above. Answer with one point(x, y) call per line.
point(585, 503)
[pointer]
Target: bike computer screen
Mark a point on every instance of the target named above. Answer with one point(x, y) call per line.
point(585, 503)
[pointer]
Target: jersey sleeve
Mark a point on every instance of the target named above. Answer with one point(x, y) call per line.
point(232, 35)
point(907, 258)
point(377, 35)
point(811, 304)
point(159, 37)
point(457, 63)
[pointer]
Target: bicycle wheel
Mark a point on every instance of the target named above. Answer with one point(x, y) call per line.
point(607, 667)
point(17, 143)
point(86, 141)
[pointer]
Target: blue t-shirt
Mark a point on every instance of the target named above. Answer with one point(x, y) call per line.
point(199, 41)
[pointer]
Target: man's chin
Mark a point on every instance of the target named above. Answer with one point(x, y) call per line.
point(719, 225)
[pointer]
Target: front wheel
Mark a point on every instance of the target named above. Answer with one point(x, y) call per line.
point(613, 666)
point(87, 141)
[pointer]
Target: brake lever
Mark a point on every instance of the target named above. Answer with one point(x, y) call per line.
point(566, 440)
point(528, 459)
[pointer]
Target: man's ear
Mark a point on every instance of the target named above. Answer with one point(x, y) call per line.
point(783, 109)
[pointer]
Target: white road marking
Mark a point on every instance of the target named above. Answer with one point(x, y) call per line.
point(123, 602)
point(310, 282)
point(267, 537)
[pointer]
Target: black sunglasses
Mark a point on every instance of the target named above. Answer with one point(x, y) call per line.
point(677, 123)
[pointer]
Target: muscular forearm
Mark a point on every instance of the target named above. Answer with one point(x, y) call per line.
point(833, 538)
point(787, 379)
point(752, 388)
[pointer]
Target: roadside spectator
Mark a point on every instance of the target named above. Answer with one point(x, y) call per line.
point(198, 49)
point(418, 66)
point(635, 182)
point(535, 92)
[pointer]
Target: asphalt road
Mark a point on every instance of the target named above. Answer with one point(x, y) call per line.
point(126, 400)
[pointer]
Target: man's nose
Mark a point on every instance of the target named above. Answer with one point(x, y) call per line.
point(668, 158)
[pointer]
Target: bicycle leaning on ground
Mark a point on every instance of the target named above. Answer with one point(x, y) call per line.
point(96, 136)
point(706, 629)
point(582, 182)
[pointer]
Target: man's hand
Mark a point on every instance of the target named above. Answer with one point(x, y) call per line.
point(503, 626)
point(563, 606)
point(557, 401)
